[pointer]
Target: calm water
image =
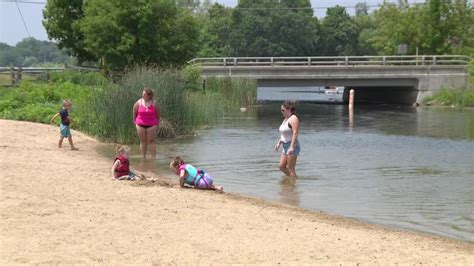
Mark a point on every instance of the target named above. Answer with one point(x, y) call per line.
point(406, 167)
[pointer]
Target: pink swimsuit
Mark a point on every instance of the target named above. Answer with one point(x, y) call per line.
point(146, 116)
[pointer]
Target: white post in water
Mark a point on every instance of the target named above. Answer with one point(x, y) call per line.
point(351, 99)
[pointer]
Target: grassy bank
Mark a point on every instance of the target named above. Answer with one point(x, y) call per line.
point(452, 97)
point(103, 108)
point(460, 97)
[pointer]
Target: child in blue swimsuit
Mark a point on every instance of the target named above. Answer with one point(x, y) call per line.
point(192, 176)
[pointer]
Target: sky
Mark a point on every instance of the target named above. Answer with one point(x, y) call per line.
point(13, 30)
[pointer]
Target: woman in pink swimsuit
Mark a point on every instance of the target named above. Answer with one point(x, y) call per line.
point(146, 114)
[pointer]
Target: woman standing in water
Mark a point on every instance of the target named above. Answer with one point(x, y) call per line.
point(289, 130)
point(146, 115)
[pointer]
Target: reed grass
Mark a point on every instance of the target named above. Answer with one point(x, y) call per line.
point(108, 115)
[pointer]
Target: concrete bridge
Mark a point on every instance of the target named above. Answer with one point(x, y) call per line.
point(388, 79)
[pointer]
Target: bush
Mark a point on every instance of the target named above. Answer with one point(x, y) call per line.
point(88, 78)
point(38, 102)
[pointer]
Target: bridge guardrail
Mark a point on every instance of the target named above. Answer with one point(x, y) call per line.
point(423, 60)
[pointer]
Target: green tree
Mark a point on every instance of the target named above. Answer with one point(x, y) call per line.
point(339, 32)
point(397, 24)
point(214, 35)
point(365, 25)
point(61, 19)
point(153, 32)
point(30, 51)
point(449, 27)
point(437, 27)
point(271, 28)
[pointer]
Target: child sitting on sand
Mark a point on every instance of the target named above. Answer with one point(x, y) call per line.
point(121, 167)
point(64, 130)
point(190, 175)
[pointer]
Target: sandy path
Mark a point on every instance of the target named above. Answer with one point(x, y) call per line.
point(60, 206)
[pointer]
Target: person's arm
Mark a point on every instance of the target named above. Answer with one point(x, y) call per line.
point(295, 125)
point(135, 111)
point(116, 164)
point(182, 174)
point(277, 146)
point(54, 118)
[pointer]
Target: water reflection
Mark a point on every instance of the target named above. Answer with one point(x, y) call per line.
point(288, 191)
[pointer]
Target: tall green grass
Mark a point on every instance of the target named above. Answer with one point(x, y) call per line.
point(183, 107)
point(238, 92)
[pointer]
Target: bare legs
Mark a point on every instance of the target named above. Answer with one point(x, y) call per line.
point(150, 138)
point(141, 132)
point(60, 143)
point(287, 165)
point(147, 139)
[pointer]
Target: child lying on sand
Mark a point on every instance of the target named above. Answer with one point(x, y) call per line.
point(192, 176)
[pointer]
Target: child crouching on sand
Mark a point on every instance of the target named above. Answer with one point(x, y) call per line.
point(190, 175)
point(121, 166)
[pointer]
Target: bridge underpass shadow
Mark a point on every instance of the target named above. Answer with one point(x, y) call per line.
point(404, 95)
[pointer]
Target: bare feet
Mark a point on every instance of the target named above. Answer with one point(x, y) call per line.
point(74, 149)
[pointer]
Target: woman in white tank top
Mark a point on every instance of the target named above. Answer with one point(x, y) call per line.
point(289, 130)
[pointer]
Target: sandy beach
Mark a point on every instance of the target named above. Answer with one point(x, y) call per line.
point(61, 206)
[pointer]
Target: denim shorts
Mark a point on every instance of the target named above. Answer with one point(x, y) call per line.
point(286, 146)
point(64, 131)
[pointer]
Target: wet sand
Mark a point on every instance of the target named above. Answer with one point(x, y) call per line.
point(61, 206)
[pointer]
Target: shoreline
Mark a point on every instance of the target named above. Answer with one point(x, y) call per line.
point(60, 206)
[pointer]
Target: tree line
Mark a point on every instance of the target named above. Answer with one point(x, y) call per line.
point(31, 52)
point(169, 32)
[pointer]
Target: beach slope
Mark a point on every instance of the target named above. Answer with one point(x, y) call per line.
point(61, 206)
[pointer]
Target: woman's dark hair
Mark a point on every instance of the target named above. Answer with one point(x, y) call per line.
point(149, 92)
point(290, 105)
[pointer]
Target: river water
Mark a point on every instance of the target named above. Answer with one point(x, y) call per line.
point(406, 167)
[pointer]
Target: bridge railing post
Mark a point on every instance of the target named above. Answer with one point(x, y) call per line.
point(235, 61)
point(384, 61)
point(346, 61)
point(224, 61)
point(423, 60)
point(434, 60)
point(309, 61)
point(271, 61)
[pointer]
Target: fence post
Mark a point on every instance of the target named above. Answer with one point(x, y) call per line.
point(346, 61)
point(18, 76)
point(423, 60)
point(271, 61)
point(12, 75)
point(235, 61)
point(384, 60)
point(434, 60)
point(309, 61)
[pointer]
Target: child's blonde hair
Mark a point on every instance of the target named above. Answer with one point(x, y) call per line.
point(176, 161)
point(66, 102)
point(120, 149)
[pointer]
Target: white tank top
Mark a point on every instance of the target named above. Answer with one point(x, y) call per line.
point(285, 131)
